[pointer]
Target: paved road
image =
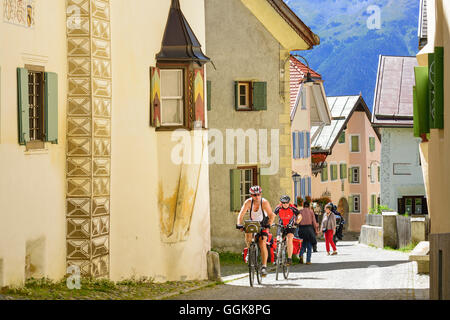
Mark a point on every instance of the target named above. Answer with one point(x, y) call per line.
point(357, 272)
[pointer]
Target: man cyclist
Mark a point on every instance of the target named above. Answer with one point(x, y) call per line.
point(288, 215)
point(260, 210)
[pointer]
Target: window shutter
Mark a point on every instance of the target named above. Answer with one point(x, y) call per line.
point(51, 107)
point(372, 144)
point(295, 190)
point(309, 187)
point(379, 170)
point(350, 204)
point(208, 95)
point(350, 175)
point(235, 190)
point(401, 206)
point(355, 143)
point(304, 98)
point(199, 98)
point(436, 88)
point(155, 97)
point(422, 110)
point(308, 144)
point(264, 183)
point(259, 95)
point(424, 206)
point(301, 139)
point(294, 145)
point(23, 106)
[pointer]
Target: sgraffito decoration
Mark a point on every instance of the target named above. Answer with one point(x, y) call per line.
point(88, 137)
point(199, 97)
point(155, 96)
point(19, 12)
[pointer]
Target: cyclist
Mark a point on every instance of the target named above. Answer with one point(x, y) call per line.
point(288, 215)
point(260, 210)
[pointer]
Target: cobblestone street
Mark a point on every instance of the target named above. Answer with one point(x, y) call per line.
point(357, 272)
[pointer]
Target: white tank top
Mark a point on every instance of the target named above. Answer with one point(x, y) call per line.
point(257, 215)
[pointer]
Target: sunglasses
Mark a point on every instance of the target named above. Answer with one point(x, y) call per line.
point(284, 202)
point(256, 195)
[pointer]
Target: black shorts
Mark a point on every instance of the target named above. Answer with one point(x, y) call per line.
point(289, 230)
point(263, 233)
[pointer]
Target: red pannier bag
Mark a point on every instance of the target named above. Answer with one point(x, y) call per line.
point(297, 244)
point(244, 255)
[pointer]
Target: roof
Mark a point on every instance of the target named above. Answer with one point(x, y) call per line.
point(423, 24)
point(342, 108)
point(298, 73)
point(284, 25)
point(393, 102)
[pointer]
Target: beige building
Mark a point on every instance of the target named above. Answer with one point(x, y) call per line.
point(309, 107)
point(90, 178)
point(249, 117)
point(432, 124)
point(350, 177)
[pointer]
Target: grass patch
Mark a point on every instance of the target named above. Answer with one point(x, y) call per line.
point(99, 289)
point(406, 249)
point(227, 257)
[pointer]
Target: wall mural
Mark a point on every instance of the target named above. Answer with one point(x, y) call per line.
point(20, 12)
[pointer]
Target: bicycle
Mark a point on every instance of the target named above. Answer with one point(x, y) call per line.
point(253, 254)
point(281, 251)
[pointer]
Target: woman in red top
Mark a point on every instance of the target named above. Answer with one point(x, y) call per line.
point(289, 215)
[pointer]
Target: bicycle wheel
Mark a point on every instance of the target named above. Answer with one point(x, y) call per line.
point(284, 261)
point(278, 261)
point(258, 265)
point(251, 264)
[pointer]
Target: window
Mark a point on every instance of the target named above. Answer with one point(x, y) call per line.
point(297, 186)
point(379, 173)
point(373, 201)
point(354, 175)
point(250, 95)
point(355, 203)
point(303, 98)
point(172, 97)
point(372, 144)
point(241, 179)
point(372, 173)
point(324, 174)
point(244, 96)
point(333, 172)
point(412, 205)
point(38, 106)
point(342, 137)
point(354, 145)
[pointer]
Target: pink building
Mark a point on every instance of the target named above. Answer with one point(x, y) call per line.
point(351, 175)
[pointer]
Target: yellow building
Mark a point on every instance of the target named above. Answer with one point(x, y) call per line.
point(89, 103)
point(432, 123)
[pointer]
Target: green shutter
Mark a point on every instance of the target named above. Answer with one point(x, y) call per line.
point(259, 95)
point(355, 143)
point(263, 181)
point(372, 144)
point(235, 190)
point(155, 97)
point(350, 176)
point(343, 170)
point(416, 126)
point(421, 77)
point(436, 88)
point(23, 106)
point(208, 94)
point(379, 170)
point(324, 173)
point(342, 137)
point(51, 107)
point(350, 204)
point(236, 95)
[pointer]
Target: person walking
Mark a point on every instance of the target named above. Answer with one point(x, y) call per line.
point(307, 231)
point(328, 228)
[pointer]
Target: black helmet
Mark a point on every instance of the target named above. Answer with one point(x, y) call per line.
point(285, 199)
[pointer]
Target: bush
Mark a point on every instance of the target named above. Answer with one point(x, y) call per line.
point(379, 209)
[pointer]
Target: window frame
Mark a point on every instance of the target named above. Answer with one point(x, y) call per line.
point(37, 141)
point(244, 194)
point(185, 99)
point(351, 143)
point(358, 195)
point(249, 98)
point(359, 174)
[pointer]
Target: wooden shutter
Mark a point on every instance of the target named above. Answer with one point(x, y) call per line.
point(294, 145)
point(155, 97)
point(350, 204)
point(235, 190)
point(259, 95)
point(208, 94)
point(23, 106)
point(423, 108)
point(308, 144)
point(350, 175)
point(355, 143)
point(401, 205)
point(301, 139)
point(416, 125)
point(51, 107)
point(372, 144)
point(436, 88)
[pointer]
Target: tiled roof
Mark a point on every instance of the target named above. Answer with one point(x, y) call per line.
point(298, 72)
point(393, 102)
point(340, 107)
